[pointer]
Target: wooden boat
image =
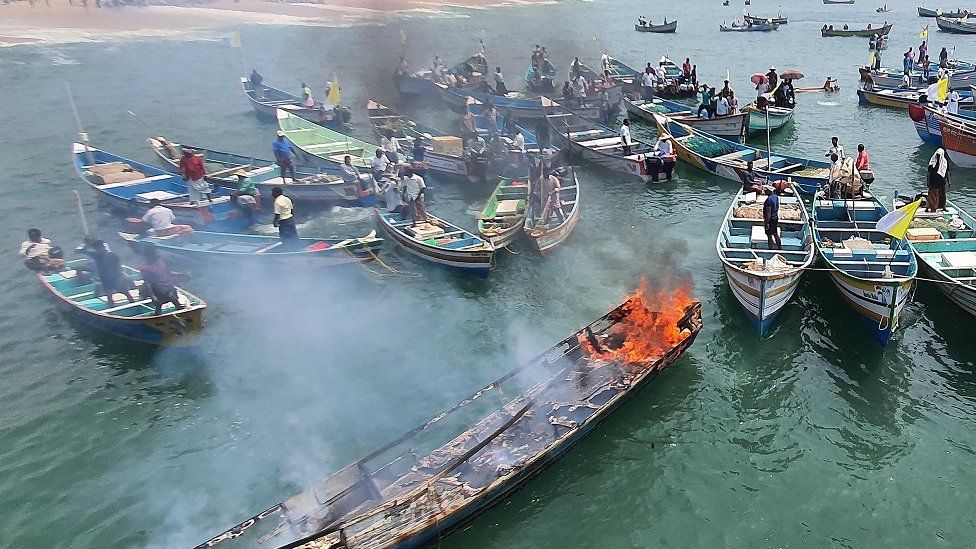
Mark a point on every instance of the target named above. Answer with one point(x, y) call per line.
point(668, 27)
point(734, 126)
point(268, 100)
point(898, 98)
point(926, 12)
point(439, 241)
point(135, 321)
point(945, 248)
point(866, 33)
point(726, 158)
point(504, 216)
point(961, 77)
point(749, 27)
point(472, 69)
point(128, 186)
point(959, 141)
point(761, 279)
point(778, 20)
point(319, 146)
point(838, 2)
point(956, 26)
point(614, 92)
point(525, 108)
point(261, 249)
point(623, 74)
point(928, 122)
point(883, 10)
point(599, 144)
point(872, 271)
point(397, 496)
point(541, 79)
point(444, 154)
point(547, 234)
point(778, 117)
point(322, 185)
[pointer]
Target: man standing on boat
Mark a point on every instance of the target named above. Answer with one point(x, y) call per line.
point(772, 77)
point(835, 148)
point(647, 84)
point(625, 140)
point(350, 173)
point(194, 174)
point(284, 217)
point(500, 87)
point(282, 152)
point(413, 189)
point(771, 220)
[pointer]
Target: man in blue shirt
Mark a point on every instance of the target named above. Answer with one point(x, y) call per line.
point(283, 151)
point(771, 220)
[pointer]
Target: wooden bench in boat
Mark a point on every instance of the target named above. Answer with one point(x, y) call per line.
point(135, 181)
point(732, 156)
point(600, 143)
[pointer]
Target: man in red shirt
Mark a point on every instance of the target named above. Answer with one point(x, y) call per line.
point(863, 166)
point(194, 173)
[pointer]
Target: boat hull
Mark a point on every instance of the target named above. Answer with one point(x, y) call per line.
point(878, 304)
point(960, 145)
point(955, 26)
point(663, 29)
point(476, 263)
point(757, 119)
point(293, 104)
point(762, 297)
point(729, 127)
point(963, 295)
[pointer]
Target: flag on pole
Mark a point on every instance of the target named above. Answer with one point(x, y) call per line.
point(896, 223)
point(943, 88)
point(728, 75)
point(235, 40)
point(924, 33)
point(333, 96)
point(872, 60)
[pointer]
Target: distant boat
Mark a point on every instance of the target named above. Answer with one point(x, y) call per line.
point(865, 33)
point(734, 126)
point(439, 241)
point(136, 321)
point(956, 26)
point(754, 19)
point(257, 249)
point(873, 272)
point(669, 27)
point(526, 109)
point(961, 76)
point(319, 146)
point(268, 100)
point(473, 69)
point(777, 116)
point(764, 280)
point(898, 98)
point(838, 1)
point(945, 248)
point(750, 27)
point(549, 233)
point(883, 10)
point(504, 215)
point(926, 12)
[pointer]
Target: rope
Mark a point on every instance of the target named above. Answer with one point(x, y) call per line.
point(919, 278)
point(509, 250)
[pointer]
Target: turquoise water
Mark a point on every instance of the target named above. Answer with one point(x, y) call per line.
point(812, 436)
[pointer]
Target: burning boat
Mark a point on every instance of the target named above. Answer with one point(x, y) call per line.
point(400, 496)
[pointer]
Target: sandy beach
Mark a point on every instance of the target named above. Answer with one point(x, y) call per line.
point(22, 23)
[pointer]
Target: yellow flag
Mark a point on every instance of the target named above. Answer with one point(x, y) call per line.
point(235, 40)
point(871, 60)
point(924, 33)
point(896, 223)
point(333, 97)
point(943, 89)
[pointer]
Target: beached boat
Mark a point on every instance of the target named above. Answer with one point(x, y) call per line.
point(777, 118)
point(748, 27)
point(959, 141)
point(549, 233)
point(319, 146)
point(956, 26)
point(873, 272)
point(268, 100)
point(439, 241)
point(778, 20)
point(726, 158)
point(443, 154)
point(734, 126)
point(945, 247)
point(136, 321)
point(400, 495)
point(261, 249)
point(866, 33)
point(472, 70)
point(503, 217)
point(926, 12)
point(599, 144)
point(928, 122)
point(128, 186)
point(668, 27)
point(899, 98)
point(761, 279)
point(322, 185)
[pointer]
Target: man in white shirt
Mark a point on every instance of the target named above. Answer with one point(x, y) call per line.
point(625, 140)
point(647, 84)
point(721, 106)
point(379, 165)
point(37, 252)
point(413, 190)
point(661, 76)
point(160, 220)
point(519, 141)
point(391, 146)
point(581, 88)
point(761, 89)
point(663, 159)
point(953, 105)
point(835, 148)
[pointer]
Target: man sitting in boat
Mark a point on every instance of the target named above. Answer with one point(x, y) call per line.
point(160, 220)
point(39, 254)
point(752, 182)
point(157, 284)
point(662, 160)
point(641, 21)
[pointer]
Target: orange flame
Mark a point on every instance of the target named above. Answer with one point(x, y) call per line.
point(649, 327)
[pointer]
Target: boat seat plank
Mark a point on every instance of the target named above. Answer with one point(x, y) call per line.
point(603, 142)
point(786, 168)
point(135, 181)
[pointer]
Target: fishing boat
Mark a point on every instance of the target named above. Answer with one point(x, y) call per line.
point(956, 26)
point(400, 495)
point(734, 126)
point(472, 70)
point(128, 186)
point(137, 321)
point(542, 78)
point(926, 12)
point(621, 73)
point(549, 231)
point(614, 92)
point(504, 215)
point(866, 33)
point(727, 159)
point(525, 108)
point(899, 98)
point(761, 279)
point(268, 100)
point(959, 141)
point(444, 152)
point(961, 76)
point(945, 248)
point(838, 2)
point(667, 27)
point(873, 272)
point(321, 185)
point(928, 122)
point(439, 241)
point(255, 249)
point(599, 144)
point(319, 146)
point(778, 20)
point(748, 27)
point(883, 9)
point(778, 117)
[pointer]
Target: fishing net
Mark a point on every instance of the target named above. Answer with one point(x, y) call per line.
point(787, 212)
point(708, 147)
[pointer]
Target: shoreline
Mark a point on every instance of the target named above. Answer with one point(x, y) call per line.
point(60, 22)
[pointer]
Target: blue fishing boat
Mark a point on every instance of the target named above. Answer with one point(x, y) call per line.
point(128, 186)
point(268, 100)
point(600, 144)
point(443, 153)
point(761, 279)
point(471, 71)
point(137, 321)
point(873, 272)
point(928, 121)
point(525, 108)
point(439, 241)
point(320, 185)
point(727, 158)
point(901, 98)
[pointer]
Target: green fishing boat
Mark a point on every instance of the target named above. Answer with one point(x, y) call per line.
point(778, 117)
point(505, 214)
point(319, 146)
